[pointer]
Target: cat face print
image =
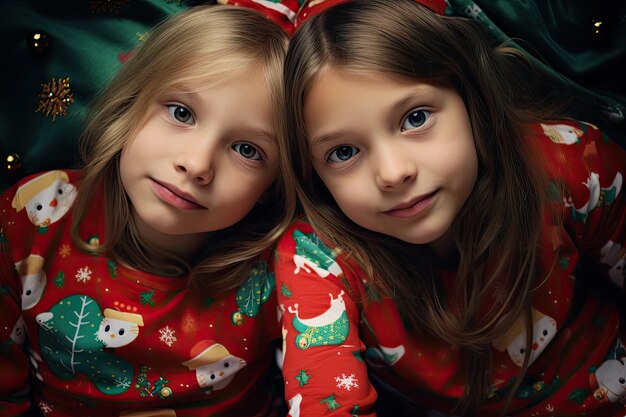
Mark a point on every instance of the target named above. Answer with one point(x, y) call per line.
point(514, 340)
point(118, 328)
point(219, 374)
point(544, 330)
point(46, 198)
point(214, 365)
point(611, 381)
point(33, 279)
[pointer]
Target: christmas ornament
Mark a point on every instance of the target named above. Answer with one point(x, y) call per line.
point(55, 98)
point(107, 6)
point(38, 40)
point(12, 162)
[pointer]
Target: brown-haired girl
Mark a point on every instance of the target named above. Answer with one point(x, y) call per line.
point(464, 241)
point(142, 285)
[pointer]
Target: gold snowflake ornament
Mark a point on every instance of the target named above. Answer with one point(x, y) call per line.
point(55, 98)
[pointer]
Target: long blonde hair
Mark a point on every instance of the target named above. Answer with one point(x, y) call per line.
point(189, 51)
point(497, 230)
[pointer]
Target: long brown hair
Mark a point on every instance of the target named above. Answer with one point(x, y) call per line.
point(497, 230)
point(189, 51)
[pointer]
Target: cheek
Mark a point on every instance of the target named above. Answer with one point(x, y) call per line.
point(460, 166)
point(342, 191)
point(125, 166)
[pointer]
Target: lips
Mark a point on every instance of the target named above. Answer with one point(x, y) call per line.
point(413, 206)
point(175, 196)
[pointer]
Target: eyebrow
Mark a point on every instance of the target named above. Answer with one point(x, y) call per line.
point(326, 137)
point(260, 134)
point(192, 97)
point(395, 107)
point(418, 93)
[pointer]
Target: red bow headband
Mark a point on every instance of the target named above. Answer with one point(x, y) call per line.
point(313, 7)
point(289, 14)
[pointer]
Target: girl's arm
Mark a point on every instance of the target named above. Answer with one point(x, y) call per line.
point(323, 364)
point(592, 169)
point(14, 362)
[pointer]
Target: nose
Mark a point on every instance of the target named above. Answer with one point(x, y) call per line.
point(196, 163)
point(394, 168)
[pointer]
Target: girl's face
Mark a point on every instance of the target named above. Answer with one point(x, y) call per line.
point(397, 154)
point(201, 161)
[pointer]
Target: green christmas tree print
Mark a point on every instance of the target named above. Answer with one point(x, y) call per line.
point(67, 338)
point(284, 289)
point(256, 290)
point(112, 267)
point(59, 280)
point(303, 377)
point(146, 298)
point(330, 402)
point(579, 395)
point(312, 253)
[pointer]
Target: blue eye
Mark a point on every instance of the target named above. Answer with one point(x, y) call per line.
point(415, 119)
point(180, 113)
point(247, 151)
point(342, 153)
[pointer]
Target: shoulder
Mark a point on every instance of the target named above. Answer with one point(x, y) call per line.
point(304, 252)
point(37, 203)
point(571, 137)
point(576, 151)
point(564, 132)
point(37, 186)
point(33, 206)
point(307, 247)
point(46, 194)
point(297, 228)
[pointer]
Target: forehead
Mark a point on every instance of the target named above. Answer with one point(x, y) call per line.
point(338, 95)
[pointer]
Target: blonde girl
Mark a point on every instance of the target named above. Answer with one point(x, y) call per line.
point(463, 242)
point(142, 285)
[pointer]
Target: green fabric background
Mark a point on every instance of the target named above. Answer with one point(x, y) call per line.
point(86, 44)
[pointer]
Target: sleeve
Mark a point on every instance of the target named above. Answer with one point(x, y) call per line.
point(592, 174)
point(14, 362)
point(323, 368)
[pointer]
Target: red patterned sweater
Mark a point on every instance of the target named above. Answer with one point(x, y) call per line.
point(335, 334)
point(90, 337)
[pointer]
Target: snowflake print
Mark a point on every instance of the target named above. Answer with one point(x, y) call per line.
point(84, 274)
point(119, 382)
point(45, 408)
point(167, 336)
point(347, 382)
point(65, 250)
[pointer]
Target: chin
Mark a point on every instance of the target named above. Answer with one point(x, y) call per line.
point(422, 238)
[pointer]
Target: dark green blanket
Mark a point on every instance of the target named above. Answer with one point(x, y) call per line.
point(88, 40)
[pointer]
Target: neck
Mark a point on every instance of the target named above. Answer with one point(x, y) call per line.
point(186, 247)
point(445, 250)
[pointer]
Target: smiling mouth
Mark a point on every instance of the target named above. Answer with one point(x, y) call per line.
point(175, 197)
point(413, 207)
